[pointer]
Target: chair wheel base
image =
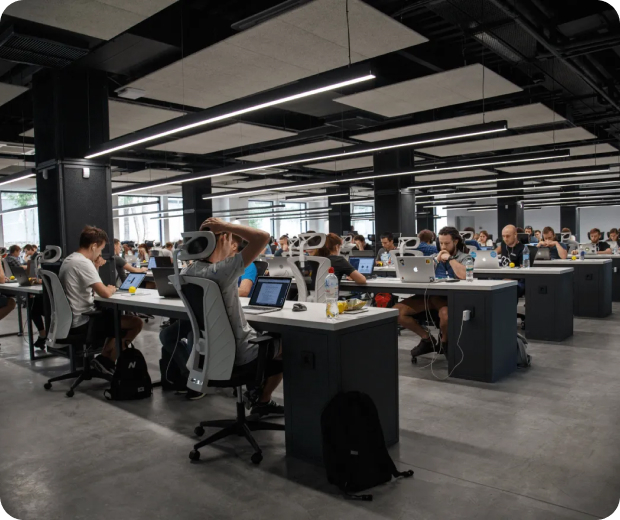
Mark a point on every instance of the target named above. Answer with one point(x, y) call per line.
point(257, 458)
point(194, 455)
point(199, 431)
point(47, 386)
point(70, 393)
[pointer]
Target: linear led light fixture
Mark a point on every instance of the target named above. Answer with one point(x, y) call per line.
point(16, 177)
point(352, 201)
point(241, 210)
point(539, 156)
point(573, 202)
point(562, 199)
point(300, 198)
point(235, 113)
point(148, 213)
point(135, 205)
point(483, 209)
point(361, 149)
point(166, 217)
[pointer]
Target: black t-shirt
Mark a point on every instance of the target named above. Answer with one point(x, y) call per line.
point(119, 264)
point(341, 266)
point(514, 254)
point(602, 246)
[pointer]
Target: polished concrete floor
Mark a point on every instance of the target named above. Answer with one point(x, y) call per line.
point(542, 444)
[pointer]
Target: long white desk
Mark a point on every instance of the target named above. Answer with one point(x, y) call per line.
point(321, 357)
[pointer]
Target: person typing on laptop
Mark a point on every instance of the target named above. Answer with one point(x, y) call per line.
point(557, 250)
point(602, 247)
point(449, 262)
point(341, 266)
point(121, 265)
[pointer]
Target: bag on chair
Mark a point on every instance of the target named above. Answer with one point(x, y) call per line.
point(354, 451)
point(131, 379)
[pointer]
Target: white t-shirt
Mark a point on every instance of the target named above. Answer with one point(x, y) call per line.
point(77, 274)
point(226, 274)
point(166, 252)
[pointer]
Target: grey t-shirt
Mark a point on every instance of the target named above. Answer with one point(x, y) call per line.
point(226, 274)
point(380, 252)
point(119, 265)
point(77, 275)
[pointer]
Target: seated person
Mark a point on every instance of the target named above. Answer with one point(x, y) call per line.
point(530, 231)
point(602, 248)
point(450, 262)
point(426, 244)
point(121, 265)
point(282, 246)
point(557, 250)
point(387, 245)
point(361, 244)
point(13, 258)
point(613, 238)
point(510, 251)
point(341, 266)
point(143, 253)
point(225, 270)
point(248, 278)
point(79, 276)
point(484, 240)
point(167, 250)
point(6, 304)
point(28, 251)
point(538, 234)
point(127, 248)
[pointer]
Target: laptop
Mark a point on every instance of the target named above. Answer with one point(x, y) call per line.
point(152, 263)
point(533, 254)
point(132, 280)
point(420, 269)
point(278, 266)
point(268, 295)
point(589, 248)
point(163, 283)
point(364, 265)
point(366, 253)
point(543, 253)
point(162, 261)
point(21, 277)
point(485, 259)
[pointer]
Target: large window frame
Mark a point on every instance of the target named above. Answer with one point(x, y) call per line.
point(141, 227)
point(25, 209)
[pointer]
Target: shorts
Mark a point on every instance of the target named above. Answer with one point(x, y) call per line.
point(103, 327)
point(272, 367)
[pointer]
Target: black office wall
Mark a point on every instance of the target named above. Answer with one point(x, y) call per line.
point(199, 209)
point(339, 215)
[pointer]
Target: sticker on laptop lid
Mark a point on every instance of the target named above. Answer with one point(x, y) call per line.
point(493, 254)
point(428, 261)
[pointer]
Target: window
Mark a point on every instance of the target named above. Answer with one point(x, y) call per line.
point(139, 228)
point(20, 227)
point(264, 223)
point(366, 224)
point(175, 224)
point(293, 226)
point(442, 221)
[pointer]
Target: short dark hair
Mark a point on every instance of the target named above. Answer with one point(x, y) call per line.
point(613, 230)
point(469, 228)
point(456, 236)
point(359, 237)
point(168, 244)
point(529, 227)
point(91, 235)
point(239, 241)
point(536, 231)
point(596, 229)
point(548, 229)
point(116, 241)
point(426, 235)
point(14, 248)
point(520, 230)
point(283, 237)
point(387, 235)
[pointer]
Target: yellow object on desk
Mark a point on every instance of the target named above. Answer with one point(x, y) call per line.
point(511, 265)
point(342, 306)
point(132, 290)
point(12, 277)
point(573, 257)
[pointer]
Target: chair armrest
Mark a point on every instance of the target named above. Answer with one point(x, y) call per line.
point(93, 313)
point(265, 352)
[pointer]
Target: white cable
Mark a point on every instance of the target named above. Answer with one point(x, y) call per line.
point(429, 318)
point(458, 341)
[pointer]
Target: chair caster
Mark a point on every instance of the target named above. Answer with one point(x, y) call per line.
point(199, 431)
point(194, 455)
point(70, 393)
point(257, 458)
point(47, 386)
point(414, 360)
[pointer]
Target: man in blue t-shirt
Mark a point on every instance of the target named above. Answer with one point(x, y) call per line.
point(426, 243)
point(247, 279)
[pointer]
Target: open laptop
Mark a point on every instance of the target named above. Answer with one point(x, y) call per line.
point(533, 254)
point(364, 265)
point(132, 280)
point(163, 283)
point(268, 295)
point(543, 253)
point(162, 261)
point(21, 277)
point(588, 247)
point(485, 259)
point(278, 266)
point(419, 269)
point(152, 263)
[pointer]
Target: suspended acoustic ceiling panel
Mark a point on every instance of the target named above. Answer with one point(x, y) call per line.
point(443, 89)
point(225, 138)
point(511, 142)
point(148, 175)
point(258, 183)
point(102, 19)
point(562, 165)
point(327, 144)
point(297, 44)
point(9, 92)
point(517, 117)
point(452, 176)
point(592, 149)
point(585, 178)
point(345, 164)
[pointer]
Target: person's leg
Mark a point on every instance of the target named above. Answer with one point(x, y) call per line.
point(132, 325)
point(172, 345)
point(440, 304)
point(406, 310)
point(9, 305)
point(36, 315)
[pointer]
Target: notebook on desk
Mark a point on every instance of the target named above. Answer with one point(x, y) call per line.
point(268, 295)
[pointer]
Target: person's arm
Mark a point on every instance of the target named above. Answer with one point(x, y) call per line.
point(247, 280)
point(498, 250)
point(245, 288)
point(104, 291)
point(606, 251)
point(3, 278)
point(256, 238)
point(357, 277)
point(562, 253)
point(458, 268)
point(131, 269)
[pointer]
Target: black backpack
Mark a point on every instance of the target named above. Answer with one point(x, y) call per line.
point(131, 378)
point(354, 451)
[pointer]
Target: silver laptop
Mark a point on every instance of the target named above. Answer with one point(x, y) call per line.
point(420, 269)
point(543, 253)
point(268, 295)
point(589, 248)
point(278, 266)
point(485, 259)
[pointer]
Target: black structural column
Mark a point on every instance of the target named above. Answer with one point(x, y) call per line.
point(198, 209)
point(424, 218)
point(70, 116)
point(394, 211)
point(339, 215)
point(569, 217)
point(510, 210)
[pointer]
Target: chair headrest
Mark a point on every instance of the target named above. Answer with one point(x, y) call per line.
point(51, 254)
point(407, 243)
point(197, 245)
point(565, 237)
point(3, 250)
point(312, 240)
point(467, 235)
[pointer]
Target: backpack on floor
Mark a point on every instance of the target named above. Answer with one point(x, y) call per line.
point(354, 451)
point(524, 360)
point(131, 378)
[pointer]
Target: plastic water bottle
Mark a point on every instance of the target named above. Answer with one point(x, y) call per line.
point(614, 250)
point(331, 295)
point(582, 255)
point(385, 258)
point(469, 269)
point(526, 258)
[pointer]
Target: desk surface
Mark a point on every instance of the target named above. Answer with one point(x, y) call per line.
point(462, 285)
point(313, 318)
point(602, 257)
point(587, 261)
point(524, 272)
point(14, 287)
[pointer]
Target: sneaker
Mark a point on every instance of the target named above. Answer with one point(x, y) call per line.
point(103, 365)
point(251, 397)
point(270, 408)
point(193, 395)
point(426, 346)
point(40, 343)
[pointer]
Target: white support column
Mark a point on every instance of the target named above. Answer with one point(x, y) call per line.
point(165, 232)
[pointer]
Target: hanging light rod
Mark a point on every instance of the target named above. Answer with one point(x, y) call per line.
point(163, 211)
point(275, 213)
point(240, 210)
point(335, 154)
point(299, 198)
point(20, 176)
point(562, 199)
point(352, 201)
point(136, 204)
point(214, 115)
point(470, 164)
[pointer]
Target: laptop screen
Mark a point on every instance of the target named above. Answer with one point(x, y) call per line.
point(132, 280)
point(152, 262)
point(363, 265)
point(270, 292)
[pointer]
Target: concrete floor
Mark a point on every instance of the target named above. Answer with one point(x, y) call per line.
point(542, 444)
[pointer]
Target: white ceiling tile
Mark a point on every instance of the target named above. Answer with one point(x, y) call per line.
point(436, 90)
point(148, 175)
point(592, 149)
point(327, 144)
point(517, 117)
point(455, 175)
point(127, 117)
point(563, 165)
point(510, 142)
point(9, 92)
point(345, 164)
point(225, 138)
point(588, 178)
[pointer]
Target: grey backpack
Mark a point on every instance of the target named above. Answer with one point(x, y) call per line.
point(524, 360)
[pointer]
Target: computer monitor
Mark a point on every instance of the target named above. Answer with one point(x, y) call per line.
point(364, 265)
point(524, 238)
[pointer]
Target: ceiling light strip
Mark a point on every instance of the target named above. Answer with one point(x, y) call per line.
point(16, 177)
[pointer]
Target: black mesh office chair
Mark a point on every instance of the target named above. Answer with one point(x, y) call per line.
point(261, 267)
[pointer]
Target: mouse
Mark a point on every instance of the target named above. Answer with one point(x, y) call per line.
point(299, 307)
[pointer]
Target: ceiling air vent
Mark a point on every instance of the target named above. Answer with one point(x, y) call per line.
point(21, 48)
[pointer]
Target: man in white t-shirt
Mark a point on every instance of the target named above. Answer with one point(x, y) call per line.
point(167, 250)
point(79, 276)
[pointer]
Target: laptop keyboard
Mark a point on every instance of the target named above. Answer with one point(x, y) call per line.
point(256, 307)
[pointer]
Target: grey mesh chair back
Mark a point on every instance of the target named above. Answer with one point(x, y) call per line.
point(61, 316)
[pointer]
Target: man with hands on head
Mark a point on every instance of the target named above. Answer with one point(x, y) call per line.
point(556, 249)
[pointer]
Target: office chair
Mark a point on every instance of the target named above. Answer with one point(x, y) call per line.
point(7, 268)
point(309, 272)
point(212, 359)
point(261, 267)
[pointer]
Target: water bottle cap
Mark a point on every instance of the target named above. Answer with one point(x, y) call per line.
point(331, 270)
